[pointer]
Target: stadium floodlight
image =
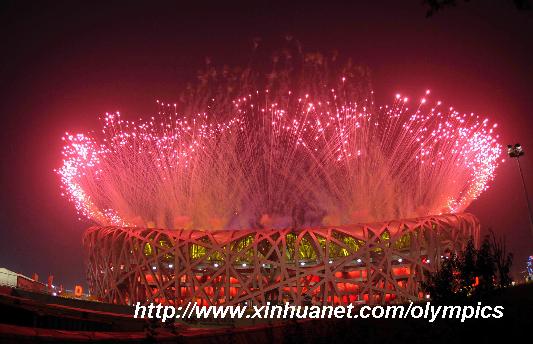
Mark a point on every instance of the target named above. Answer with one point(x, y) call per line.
point(517, 151)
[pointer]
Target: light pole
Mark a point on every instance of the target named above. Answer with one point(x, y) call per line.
point(516, 151)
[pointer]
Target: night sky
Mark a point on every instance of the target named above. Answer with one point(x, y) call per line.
point(64, 63)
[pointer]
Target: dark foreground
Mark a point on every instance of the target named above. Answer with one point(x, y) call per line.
point(28, 319)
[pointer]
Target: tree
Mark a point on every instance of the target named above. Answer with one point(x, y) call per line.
point(443, 284)
point(502, 259)
point(467, 269)
point(472, 273)
point(485, 269)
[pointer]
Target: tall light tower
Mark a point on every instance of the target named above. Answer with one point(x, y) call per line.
point(516, 151)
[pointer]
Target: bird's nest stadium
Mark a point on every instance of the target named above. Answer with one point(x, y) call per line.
point(372, 263)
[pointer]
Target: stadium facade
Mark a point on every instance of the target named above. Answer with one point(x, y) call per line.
point(371, 263)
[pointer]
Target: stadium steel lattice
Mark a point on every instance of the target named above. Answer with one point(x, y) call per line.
point(372, 263)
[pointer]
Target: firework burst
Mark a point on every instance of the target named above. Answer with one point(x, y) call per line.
point(322, 153)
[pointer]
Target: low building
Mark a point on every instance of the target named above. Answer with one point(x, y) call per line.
point(12, 279)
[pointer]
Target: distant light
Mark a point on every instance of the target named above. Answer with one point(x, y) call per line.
point(427, 296)
point(330, 261)
point(302, 263)
point(400, 260)
point(359, 260)
point(154, 268)
point(171, 265)
point(428, 261)
point(215, 265)
point(54, 293)
point(244, 265)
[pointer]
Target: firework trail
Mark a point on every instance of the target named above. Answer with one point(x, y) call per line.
point(299, 150)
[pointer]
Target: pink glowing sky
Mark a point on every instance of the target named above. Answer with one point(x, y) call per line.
point(62, 64)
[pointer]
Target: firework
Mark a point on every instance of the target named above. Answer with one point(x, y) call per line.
point(321, 153)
